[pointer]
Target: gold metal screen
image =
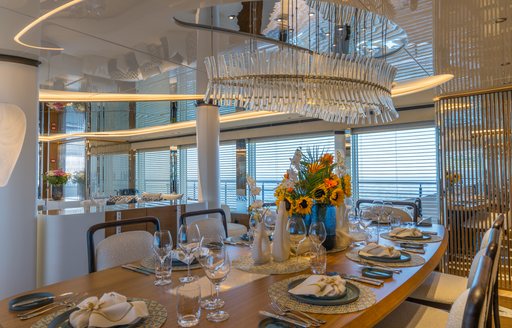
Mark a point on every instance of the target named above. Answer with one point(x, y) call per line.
point(475, 161)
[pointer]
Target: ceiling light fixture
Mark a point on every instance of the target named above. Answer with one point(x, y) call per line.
point(17, 37)
point(231, 17)
point(417, 85)
point(72, 96)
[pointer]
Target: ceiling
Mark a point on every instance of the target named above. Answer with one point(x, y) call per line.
point(109, 44)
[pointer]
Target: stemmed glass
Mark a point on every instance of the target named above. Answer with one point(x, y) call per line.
point(189, 239)
point(208, 246)
point(317, 234)
point(270, 224)
point(216, 265)
point(162, 247)
point(297, 230)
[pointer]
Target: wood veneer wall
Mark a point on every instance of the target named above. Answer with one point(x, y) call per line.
point(475, 142)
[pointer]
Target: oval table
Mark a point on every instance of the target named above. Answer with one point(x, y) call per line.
point(244, 302)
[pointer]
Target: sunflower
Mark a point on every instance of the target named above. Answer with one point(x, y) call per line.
point(320, 194)
point(303, 206)
point(315, 167)
point(337, 197)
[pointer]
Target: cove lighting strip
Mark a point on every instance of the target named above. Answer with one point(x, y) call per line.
point(17, 37)
point(155, 129)
point(71, 96)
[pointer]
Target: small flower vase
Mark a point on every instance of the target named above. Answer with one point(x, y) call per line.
point(327, 215)
point(57, 192)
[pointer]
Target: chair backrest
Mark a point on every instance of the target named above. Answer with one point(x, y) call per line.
point(111, 242)
point(227, 211)
point(415, 205)
point(209, 226)
point(478, 306)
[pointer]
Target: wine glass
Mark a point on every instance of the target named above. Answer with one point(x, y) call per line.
point(297, 230)
point(189, 239)
point(317, 234)
point(210, 245)
point(162, 247)
point(216, 266)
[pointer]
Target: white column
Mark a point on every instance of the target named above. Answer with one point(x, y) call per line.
point(207, 132)
point(18, 86)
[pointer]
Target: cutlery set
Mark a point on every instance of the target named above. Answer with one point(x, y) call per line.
point(295, 317)
point(139, 269)
point(69, 300)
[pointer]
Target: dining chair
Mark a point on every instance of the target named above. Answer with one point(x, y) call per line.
point(210, 226)
point(234, 229)
point(440, 290)
point(121, 248)
point(397, 209)
point(470, 309)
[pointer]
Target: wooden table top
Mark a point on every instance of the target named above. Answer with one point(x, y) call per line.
point(244, 302)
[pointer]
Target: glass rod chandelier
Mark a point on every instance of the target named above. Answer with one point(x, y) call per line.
point(352, 89)
point(350, 86)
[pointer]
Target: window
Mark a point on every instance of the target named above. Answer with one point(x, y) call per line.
point(269, 158)
point(153, 171)
point(189, 176)
point(397, 165)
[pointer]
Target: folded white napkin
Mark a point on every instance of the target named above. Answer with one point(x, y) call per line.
point(405, 232)
point(319, 285)
point(112, 309)
point(375, 250)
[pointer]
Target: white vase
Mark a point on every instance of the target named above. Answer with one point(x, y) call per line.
point(281, 244)
point(261, 245)
point(343, 238)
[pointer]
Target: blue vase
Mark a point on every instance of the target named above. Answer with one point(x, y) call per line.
point(327, 215)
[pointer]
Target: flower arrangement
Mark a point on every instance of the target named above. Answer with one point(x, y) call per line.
point(452, 178)
point(314, 178)
point(58, 106)
point(78, 177)
point(56, 177)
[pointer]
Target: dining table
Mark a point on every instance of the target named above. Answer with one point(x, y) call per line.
point(244, 301)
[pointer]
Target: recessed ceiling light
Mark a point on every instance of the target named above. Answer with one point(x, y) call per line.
point(279, 19)
point(500, 20)
point(327, 34)
point(340, 28)
point(232, 17)
point(334, 44)
point(311, 14)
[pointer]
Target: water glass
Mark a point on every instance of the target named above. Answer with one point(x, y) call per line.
point(317, 233)
point(163, 271)
point(318, 261)
point(394, 221)
point(297, 229)
point(372, 235)
point(188, 309)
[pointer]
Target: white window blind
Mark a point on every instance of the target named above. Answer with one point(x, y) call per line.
point(397, 165)
point(153, 171)
point(189, 176)
point(269, 158)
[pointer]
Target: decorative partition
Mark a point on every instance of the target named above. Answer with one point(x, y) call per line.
point(475, 158)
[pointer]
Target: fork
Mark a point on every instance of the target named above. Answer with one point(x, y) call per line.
point(280, 311)
point(286, 309)
point(70, 302)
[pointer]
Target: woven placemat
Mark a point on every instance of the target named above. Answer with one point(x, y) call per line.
point(292, 265)
point(416, 260)
point(149, 262)
point(279, 293)
point(156, 319)
point(433, 239)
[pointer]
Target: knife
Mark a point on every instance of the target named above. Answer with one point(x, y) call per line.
point(134, 269)
point(282, 318)
point(148, 270)
point(364, 280)
point(40, 299)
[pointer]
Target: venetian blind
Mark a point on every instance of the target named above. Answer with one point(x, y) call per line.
point(153, 169)
point(398, 164)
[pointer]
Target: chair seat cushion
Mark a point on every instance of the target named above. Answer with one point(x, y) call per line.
point(235, 229)
point(409, 315)
point(440, 288)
